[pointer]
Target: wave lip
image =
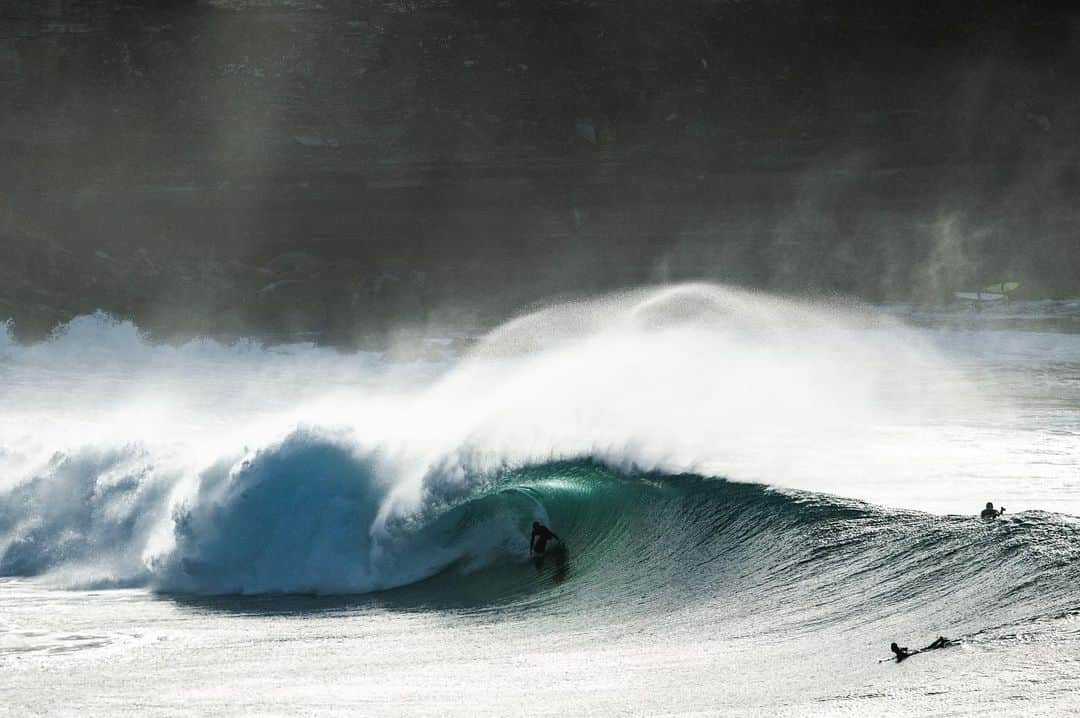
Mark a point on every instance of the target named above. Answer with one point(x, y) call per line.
point(305, 516)
point(308, 515)
point(292, 518)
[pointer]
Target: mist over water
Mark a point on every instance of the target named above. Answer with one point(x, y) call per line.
point(242, 468)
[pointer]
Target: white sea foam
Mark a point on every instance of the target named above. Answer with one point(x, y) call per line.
point(211, 467)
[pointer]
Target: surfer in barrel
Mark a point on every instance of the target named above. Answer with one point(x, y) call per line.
point(990, 512)
point(540, 536)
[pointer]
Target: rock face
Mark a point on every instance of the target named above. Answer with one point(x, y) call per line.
point(333, 169)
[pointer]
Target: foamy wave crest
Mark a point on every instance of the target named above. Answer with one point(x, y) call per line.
point(86, 515)
point(219, 468)
point(303, 515)
point(294, 517)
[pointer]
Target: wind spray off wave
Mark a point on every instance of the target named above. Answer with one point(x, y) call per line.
point(218, 469)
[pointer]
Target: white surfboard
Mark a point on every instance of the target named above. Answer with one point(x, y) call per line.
point(979, 296)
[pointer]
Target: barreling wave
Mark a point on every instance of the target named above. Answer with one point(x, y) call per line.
point(303, 516)
point(650, 543)
point(182, 468)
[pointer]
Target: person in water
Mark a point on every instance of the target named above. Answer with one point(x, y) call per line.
point(901, 652)
point(990, 512)
point(540, 536)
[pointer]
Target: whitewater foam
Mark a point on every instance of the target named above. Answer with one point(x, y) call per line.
point(241, 468)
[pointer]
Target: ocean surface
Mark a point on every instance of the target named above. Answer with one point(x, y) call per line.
point(757, 495)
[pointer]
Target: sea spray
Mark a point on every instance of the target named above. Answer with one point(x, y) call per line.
point(240, 468)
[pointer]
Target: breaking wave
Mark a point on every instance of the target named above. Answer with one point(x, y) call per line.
point(692, 445)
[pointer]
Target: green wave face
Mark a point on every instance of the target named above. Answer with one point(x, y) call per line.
point(648, 547)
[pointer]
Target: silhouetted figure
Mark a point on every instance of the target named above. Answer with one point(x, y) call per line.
point(990, 512)
point(540, 536)
point(901, 652)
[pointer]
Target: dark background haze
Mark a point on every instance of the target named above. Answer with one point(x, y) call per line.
point(331, 170)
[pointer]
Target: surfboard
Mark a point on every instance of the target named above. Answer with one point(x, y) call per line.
point(979, 296)
point(989, 293)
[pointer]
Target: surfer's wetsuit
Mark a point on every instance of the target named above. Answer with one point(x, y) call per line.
point(901, 653)
point(990, 512)
point(540, 536)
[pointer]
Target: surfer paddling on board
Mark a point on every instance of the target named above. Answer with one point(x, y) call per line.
point(901, 653)
point(990, 512)
point(540, 536)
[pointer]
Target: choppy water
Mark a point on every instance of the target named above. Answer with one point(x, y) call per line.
point(757, 496)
